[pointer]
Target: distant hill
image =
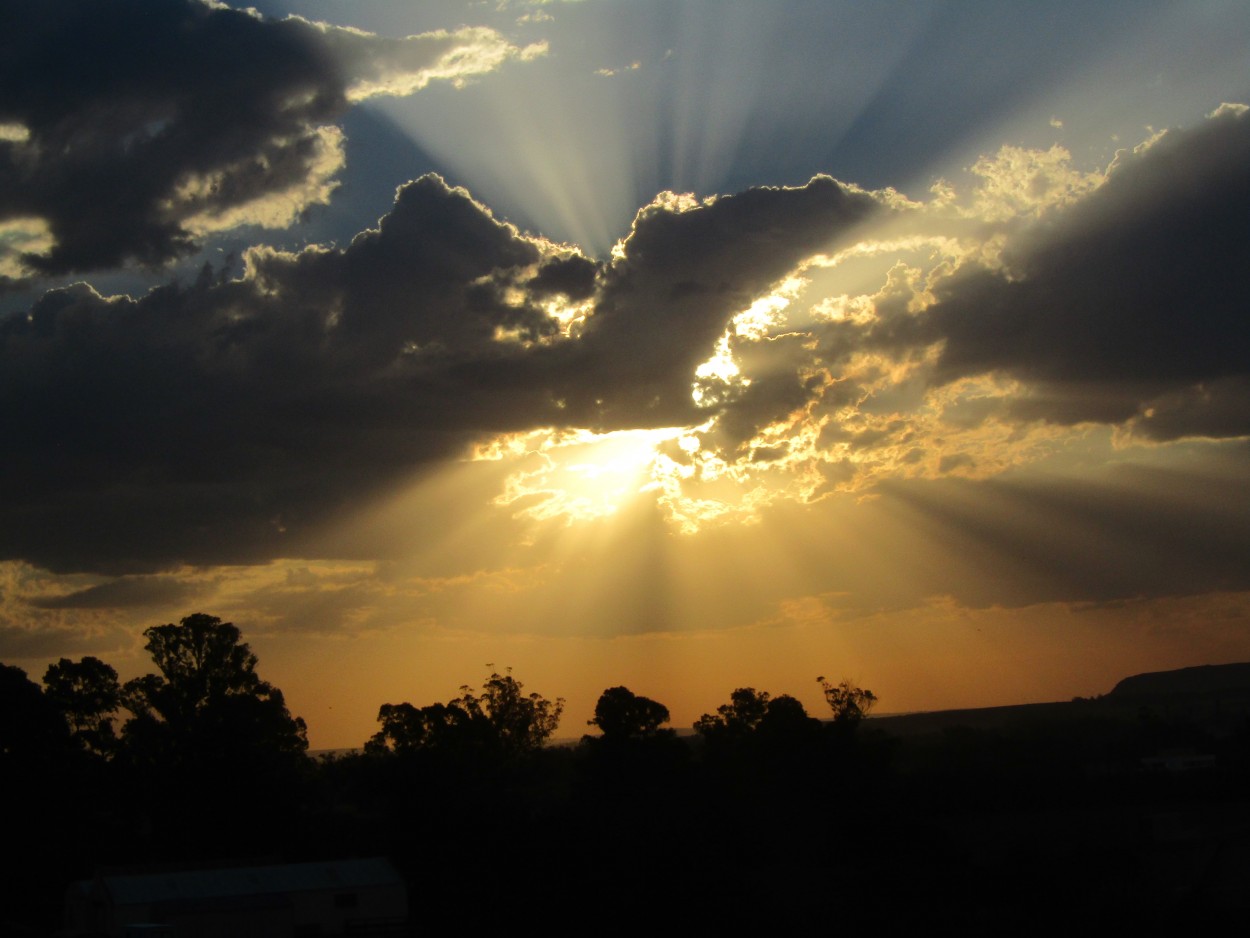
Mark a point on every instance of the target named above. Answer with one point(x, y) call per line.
point(1205, 679)
point(1209, 690)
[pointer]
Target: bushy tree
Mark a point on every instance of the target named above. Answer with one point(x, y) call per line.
point(502, 719)
point(30, 726)
point(212, 754)
point(756, 717)
point(207, 697)
point(736, 719)
point(87, 692)
point(620, 714)
point(787, 723)
point(519, 722)
point(409, 729)
point(849, 703)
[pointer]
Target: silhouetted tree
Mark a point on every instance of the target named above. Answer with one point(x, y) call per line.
point(768, 725)
point(44, 800)
point(786, 723)
point(621, 714)
point(735, 720)
point(409, 729)
point(31, 727)
point(760, 764)
point(519, 722)
point(208, 697)
point(502, 718)
point(849, 703)
point(631, 781)
point(207, 735)
point(87, 692)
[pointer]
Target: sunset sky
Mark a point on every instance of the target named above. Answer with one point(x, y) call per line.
point(683, 346)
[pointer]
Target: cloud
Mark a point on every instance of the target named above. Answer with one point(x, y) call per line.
point(124, 593)
point(984, 331)
point(981, 332)
point(128, 129)
point(241, 410)
point(798, 342)
point(1129, 305)
point(683, 272)
point(225, 421)
point(377, 65)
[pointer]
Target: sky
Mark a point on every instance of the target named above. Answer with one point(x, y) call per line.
point(680, 346)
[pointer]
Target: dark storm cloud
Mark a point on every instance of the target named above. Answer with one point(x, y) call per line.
point(131, 123)
point(1135, 295)
point(224, 421)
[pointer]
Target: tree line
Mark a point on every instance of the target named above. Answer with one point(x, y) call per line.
point(202, 761)
point(206, 701)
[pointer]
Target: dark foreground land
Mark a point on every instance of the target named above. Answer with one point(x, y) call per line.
point(1129, 809)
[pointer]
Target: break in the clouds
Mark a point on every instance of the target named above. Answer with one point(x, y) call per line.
point(129, 129)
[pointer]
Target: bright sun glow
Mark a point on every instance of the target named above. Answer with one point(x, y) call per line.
point(577, 475)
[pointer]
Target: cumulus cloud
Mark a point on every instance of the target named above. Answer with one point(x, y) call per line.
point(997, 325)
point(129, 129)
point(684, 271)
point(982, 332)
point(797, 341)
point(1129, 305)
point(223, 420)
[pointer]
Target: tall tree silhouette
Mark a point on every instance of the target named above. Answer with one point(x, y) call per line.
point(88, 693)
point(207, 698)
point(208, 736)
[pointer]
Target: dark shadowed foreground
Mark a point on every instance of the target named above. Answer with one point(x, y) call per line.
point(1130, 808)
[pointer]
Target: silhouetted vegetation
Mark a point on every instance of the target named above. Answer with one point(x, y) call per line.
point(765, 815)
point(621, 716)
point(88, 694)
point(501, 720)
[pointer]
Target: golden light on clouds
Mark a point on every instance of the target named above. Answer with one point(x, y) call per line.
point(18, 236)
point(275, 209)
point(828, 423)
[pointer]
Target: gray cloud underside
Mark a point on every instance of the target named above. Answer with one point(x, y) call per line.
point(1133, 305)
point(224, 421)
point(140, 118)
